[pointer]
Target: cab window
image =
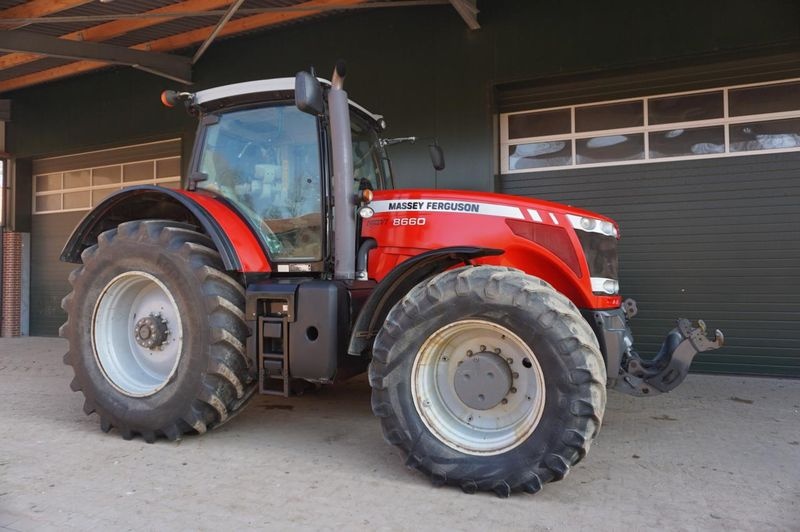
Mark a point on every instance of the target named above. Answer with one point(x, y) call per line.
point(266, 161)
point(369, 157)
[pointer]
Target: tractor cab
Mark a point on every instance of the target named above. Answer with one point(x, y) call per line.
point(258, 151)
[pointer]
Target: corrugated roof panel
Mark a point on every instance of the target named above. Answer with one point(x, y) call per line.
point(165, 29)
point(57, 29)
point(186, 24)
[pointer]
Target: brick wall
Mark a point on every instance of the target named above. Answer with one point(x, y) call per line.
point(11, 284)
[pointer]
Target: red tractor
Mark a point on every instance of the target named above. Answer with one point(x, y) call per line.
point(490, 325)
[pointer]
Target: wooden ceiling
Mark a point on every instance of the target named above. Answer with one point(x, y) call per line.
point(45, 40)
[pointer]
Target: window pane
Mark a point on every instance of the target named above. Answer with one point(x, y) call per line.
point(77, 179)
point(168, 167)
point(138, 171)
point(107, 175)
point(686, 108)
point(51, 202)
point(611, 116)
point(610, 148)
point(540, 155)
point(681, 142)
point(76, 200)
point(769, 99)
point(101, 194)
point(539, 124)
point(266, 161)
point(769, 135)
point(48, 182)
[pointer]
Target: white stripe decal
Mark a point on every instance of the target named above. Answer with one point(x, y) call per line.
point(443, 205)
point(535, 215)
point(553, 217)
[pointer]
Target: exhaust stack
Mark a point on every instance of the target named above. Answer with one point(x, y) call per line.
point(344, 220)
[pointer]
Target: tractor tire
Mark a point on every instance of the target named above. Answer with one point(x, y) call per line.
point(156, 332)
point(488, 379)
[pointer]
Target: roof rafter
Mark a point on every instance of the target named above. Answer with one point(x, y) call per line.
point(116, 28)
point(37, 8)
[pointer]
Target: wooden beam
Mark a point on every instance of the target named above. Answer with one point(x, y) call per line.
point(116, 28)
point(37, 8)
point(181, 40)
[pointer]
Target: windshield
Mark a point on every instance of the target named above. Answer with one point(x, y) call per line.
point(370, 161)
point(266, 161)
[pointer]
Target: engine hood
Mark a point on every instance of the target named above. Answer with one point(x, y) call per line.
point(478, 202)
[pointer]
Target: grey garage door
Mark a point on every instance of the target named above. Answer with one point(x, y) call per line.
point(717, 239)
point(64, 189)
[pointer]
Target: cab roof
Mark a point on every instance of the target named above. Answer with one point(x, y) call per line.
point(207, 96)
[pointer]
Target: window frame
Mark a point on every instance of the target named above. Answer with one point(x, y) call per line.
point(726, 121)
point(122, 184)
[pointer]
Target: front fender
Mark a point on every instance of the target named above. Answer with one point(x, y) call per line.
point(398, 282)
point(234, 240)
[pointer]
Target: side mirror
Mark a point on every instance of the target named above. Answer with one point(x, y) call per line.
point(308, 94)
point(437, 157)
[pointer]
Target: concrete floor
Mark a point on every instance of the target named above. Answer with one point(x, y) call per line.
point(719, 453)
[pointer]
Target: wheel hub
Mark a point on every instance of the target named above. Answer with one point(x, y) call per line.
point(151, 331)
point(478, 387)
point(483, 380)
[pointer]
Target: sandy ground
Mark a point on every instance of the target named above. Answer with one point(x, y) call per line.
point(719, 453)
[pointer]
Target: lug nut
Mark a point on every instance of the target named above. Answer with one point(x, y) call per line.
point(469, 352)
point(515, 375)
point(510, 361)
point(504, 401)
point(513, 390)
point(497, 351)
point(483, 348)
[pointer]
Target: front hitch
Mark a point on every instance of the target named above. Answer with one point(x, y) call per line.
point(627, 371)
point(670, 365)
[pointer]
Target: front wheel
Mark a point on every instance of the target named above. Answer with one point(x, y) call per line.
point(488, 379)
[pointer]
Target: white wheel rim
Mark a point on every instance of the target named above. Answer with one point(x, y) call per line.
point(489, 431)
point(134, 369)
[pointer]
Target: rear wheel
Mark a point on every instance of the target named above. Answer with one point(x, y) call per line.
point(156, 332)
point(488, 379)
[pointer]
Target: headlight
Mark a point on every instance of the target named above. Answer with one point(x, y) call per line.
point(602, 285)
point(592, 225)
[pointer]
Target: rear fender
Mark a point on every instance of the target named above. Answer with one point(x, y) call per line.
point(397, 284)
point(234, 240)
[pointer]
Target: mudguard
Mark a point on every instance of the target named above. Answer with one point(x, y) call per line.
point(239, 248)
point(398, 282)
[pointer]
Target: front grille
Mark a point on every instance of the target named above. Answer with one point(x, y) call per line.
point(601, 254)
